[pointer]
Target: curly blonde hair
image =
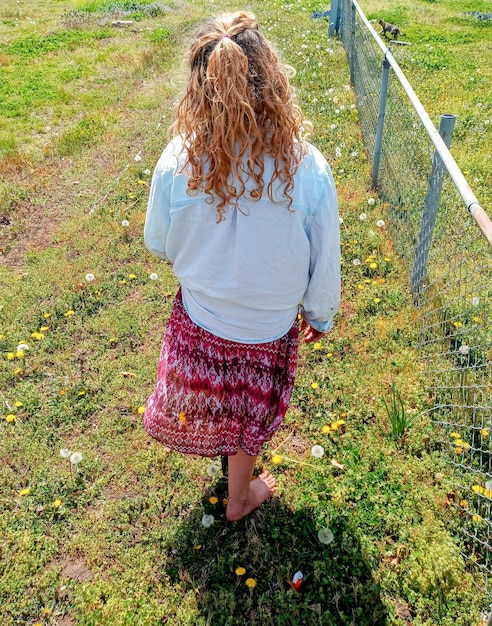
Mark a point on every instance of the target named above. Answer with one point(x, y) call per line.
point(236, 108)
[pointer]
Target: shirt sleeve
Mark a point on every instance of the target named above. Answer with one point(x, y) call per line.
point(323, 295)
point(157, 220)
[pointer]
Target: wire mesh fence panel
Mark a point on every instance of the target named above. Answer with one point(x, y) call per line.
point(454, 297)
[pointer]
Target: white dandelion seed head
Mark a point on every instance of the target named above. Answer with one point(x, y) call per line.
point(325, 535)
point(354, 154)
point(362, 217)
point(212, 469)
point(65, 453)
point(318, 451)
point(75, 458)
point(153, 276)
point(475, 301)
point(89, 277)
point(22, 347)
point(333, 126)
point(464, 349)
point(370, 201)
point(380, 223)
point(207, 520)
point(147, 172)
point(138, 157)
point(356, 262)
point(125, 223)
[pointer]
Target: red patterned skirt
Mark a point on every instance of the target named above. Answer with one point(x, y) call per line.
point(213, 395)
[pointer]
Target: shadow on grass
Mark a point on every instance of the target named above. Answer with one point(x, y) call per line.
point(271, 545)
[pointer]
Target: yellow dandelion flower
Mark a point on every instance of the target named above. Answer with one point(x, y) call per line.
point(43, 329)
point(326, 428)
point(198, 546)
point(484, 433)
point(69, 313)
point(10, 417)
point(46, 315)
point(487, 493)
point(314, 386)
point(330, 354)
point(377, 300)
point(251, 582)
point(475, 318)
point(132, 276)
point(141, 410)
point(10, 356)
point(240, 571)
point(213, 500)
point(478, 489)
point(18, 404)
point(82, 392)
point(25, 492)
point(477, 518)
point(123, 282)
point(373, 265)
point(455, 435)
point(20, 354)
point(46, 611)
point(367, 281)
point(387, 259)
point(276, 459)
point(458, 442)
point(317, 346)
point(466, 446)
point(463, 504)
point(459, 450)
point(37, 336)
point(57, 503)
point(341, 422)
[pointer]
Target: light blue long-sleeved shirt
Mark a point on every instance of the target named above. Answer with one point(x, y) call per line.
point(243, 278)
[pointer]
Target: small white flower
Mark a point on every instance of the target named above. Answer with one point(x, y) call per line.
point(212, 469)
point(89, 277)
point(356, 262)
point(318, 451)
point(22, 347)
point(207, 520)
point(138, 157)
point(380, 223)
point(125, 223)
point(153, 276)
point(147, 172)
point(354, 154)
point(475, 301)
point(65, 453)
point(370, 201)
point(325, 536)
point(75, 458)
point(464, 349)
point(362, 217)
point(340, 220)
point(333, 126)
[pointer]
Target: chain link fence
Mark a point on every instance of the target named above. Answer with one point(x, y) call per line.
point(452, 259)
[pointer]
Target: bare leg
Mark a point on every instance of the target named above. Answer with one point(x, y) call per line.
point(245, 495)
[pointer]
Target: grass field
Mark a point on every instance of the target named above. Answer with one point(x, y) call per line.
point(117, 537)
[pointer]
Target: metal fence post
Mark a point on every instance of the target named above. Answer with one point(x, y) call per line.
point(352, 43)
point(334, 19)
point(379, 130)
point(429, 214)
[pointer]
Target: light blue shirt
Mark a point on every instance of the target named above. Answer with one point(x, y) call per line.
point(243, 278)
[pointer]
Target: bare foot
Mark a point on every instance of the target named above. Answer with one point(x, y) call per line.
point(260, 489)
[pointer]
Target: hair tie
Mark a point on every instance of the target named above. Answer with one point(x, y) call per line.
point(225, 35)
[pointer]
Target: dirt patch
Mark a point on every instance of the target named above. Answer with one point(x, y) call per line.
point(73, 567)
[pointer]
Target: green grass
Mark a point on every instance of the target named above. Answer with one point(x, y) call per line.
point(119, 540)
